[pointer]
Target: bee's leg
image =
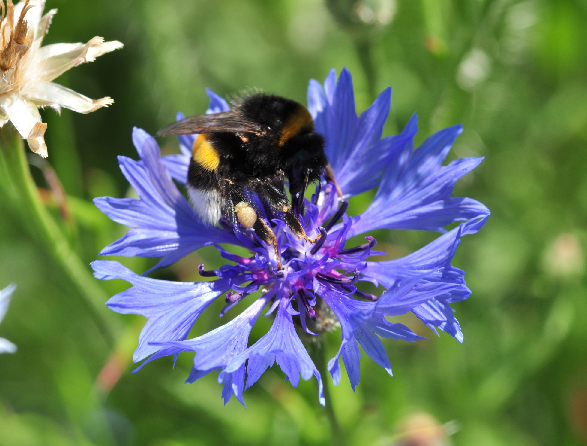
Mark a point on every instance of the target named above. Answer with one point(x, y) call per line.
point(293, 222)
point(248, 218)
point(278, 200)
point(266, 234)
point(330, 177)
point(298, 183)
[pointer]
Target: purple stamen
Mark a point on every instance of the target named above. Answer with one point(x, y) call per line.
point(339, 280)
point(205, 273)
point(367, 296)
point(253, 286)
point(363, 247)
point(235, 258)
point(272, 274)
point(344, 204)
point(232, 297)
point(231, 300)
point(304, 298)
point(320, 242)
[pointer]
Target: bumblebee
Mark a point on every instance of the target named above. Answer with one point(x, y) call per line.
point(241, 158)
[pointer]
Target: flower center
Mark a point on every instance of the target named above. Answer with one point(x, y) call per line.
point(308, 268)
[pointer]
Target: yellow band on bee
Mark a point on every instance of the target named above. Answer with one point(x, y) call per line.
point(204, 154)
point(300, 119)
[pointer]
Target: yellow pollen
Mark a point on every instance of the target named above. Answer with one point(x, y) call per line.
point(245, 214)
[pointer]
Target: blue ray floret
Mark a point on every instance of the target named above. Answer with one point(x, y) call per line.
point(321, 286)
point(5, 295)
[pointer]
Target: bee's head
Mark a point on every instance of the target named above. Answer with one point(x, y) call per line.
point(305, 161)
point(304, 153)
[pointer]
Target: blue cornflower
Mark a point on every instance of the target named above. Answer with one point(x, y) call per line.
point(5, 345)
point(317, 289)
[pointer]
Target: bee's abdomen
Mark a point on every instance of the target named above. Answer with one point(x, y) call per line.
point(202, 183)
point(204, 153)
point(207, 203)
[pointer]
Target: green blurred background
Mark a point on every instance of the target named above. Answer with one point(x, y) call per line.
point(513, 73)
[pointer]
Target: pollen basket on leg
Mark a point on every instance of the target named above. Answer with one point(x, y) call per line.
point(247, 216)
point(300, 119)
point(204, 153)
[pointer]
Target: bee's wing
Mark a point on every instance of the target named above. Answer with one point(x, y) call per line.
point(224, 122)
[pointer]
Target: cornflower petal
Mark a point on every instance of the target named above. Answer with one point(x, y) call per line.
point(177, 166)
point(432, 261)
point(6, 346)
point(217, 349)
point(217, 104)
point(282, 345)
point(171, 308)
point(441, 284)
point(438, 314)
point(353, 144)
point(415, 190)
point(5, 295)
point(361, 322)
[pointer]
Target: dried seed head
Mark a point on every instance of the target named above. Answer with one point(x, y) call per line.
point(8, 24)
point(15, 39)
point(21, 34)
point(7, 57)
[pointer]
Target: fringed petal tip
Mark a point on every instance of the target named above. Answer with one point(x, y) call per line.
point(97, 47)
point(38, 146)
point(99, 103)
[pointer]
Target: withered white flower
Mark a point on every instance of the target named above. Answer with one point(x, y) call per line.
point(27, 70)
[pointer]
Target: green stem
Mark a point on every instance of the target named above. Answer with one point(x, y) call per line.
point(338, 436)
point(42, 225)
